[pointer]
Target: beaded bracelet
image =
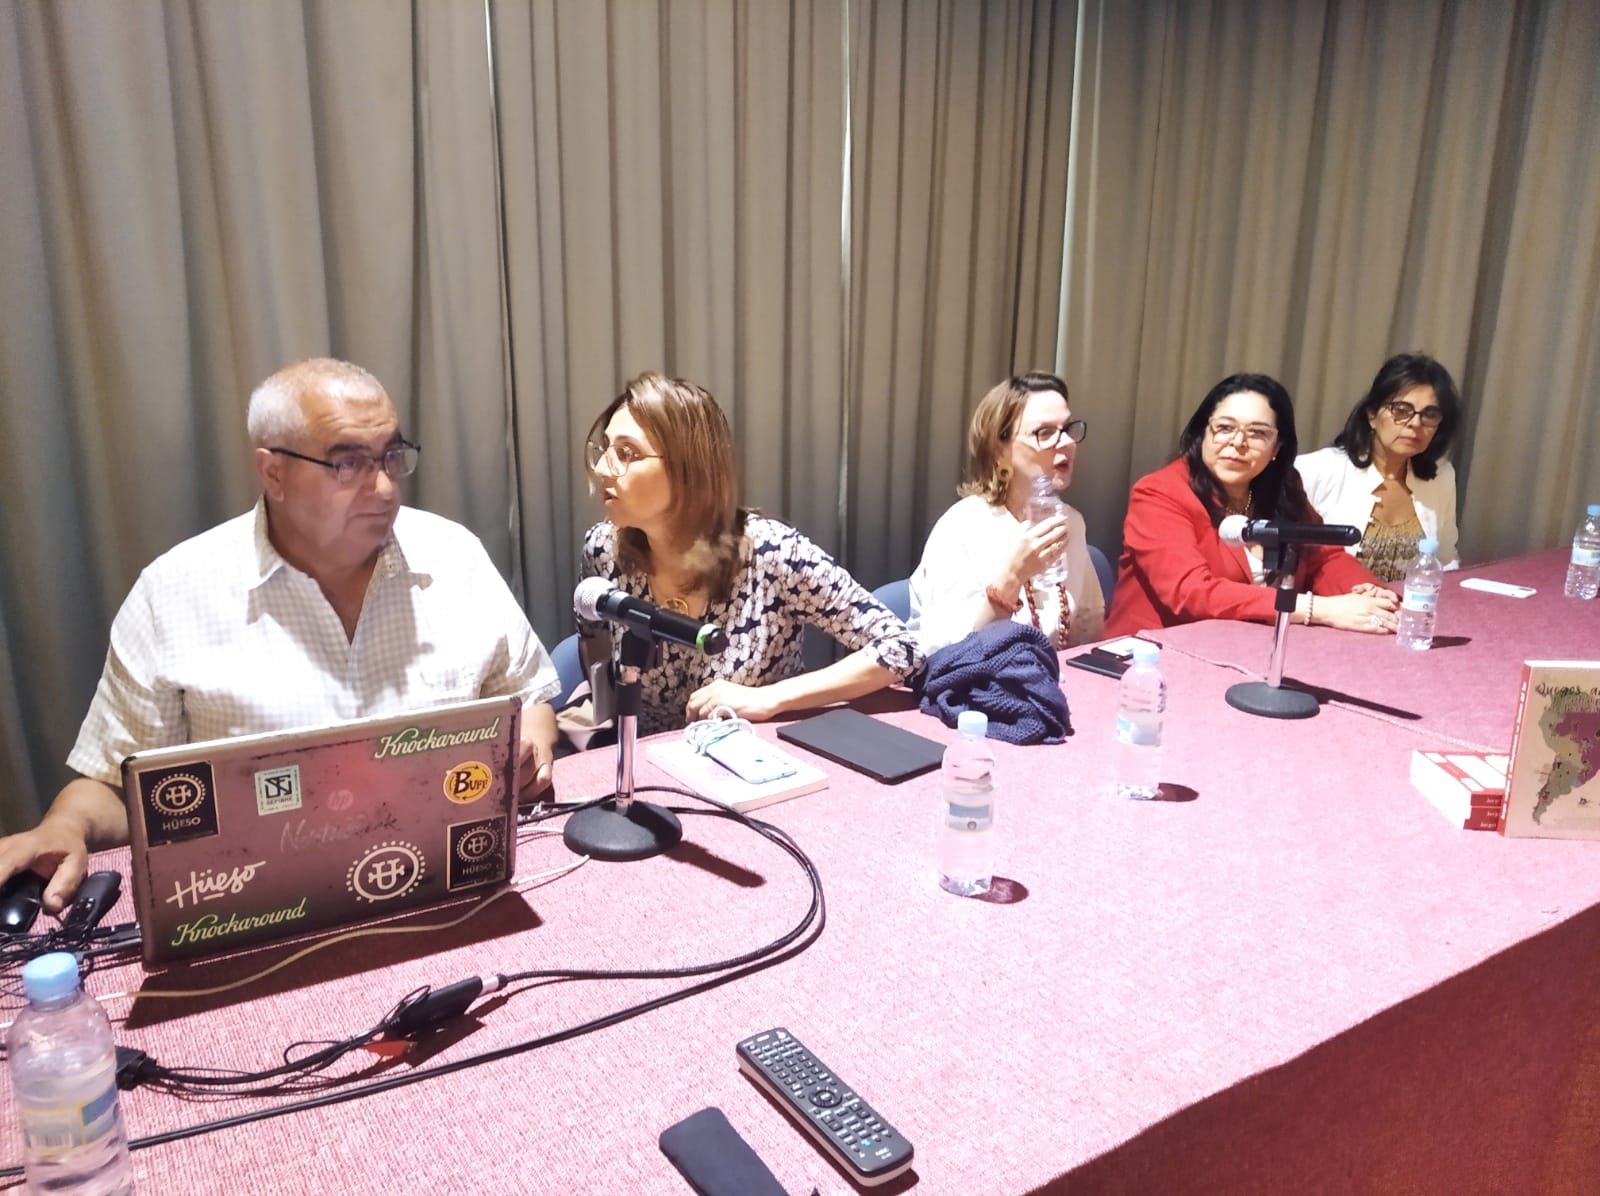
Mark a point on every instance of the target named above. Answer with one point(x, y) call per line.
point(1311, 606)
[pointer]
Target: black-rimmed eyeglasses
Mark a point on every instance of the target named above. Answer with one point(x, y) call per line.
point(398, 462)
point(1051, 435)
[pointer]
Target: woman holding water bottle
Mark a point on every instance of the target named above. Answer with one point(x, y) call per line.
point(1235, 457)
point(1010, 548)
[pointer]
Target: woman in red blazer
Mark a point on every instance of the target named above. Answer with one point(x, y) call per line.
point(1236, 456)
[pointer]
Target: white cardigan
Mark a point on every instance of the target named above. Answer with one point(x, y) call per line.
point(1341, 493)
point(965, 550)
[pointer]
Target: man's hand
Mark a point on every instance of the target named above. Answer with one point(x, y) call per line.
point(538, 747)
point(56, 850)
point(86, 815)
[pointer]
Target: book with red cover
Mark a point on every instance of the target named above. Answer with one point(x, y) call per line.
point(1468, 788)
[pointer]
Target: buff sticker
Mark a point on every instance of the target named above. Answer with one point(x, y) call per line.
point(179, 803)
point(278, 790)
point(466, 783)
point(477, 853)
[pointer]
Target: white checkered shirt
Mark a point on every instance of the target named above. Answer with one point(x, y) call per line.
point(221, 636)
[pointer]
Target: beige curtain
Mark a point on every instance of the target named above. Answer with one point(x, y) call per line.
point(1303, 189)
point(194, 195)
point(848, 218)
point(671, 185)
point(959, 125)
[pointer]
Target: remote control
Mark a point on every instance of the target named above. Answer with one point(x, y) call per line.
point(863, 1143)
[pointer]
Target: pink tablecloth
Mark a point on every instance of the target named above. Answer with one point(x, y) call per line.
point(1293, 976)
point(1461, 692)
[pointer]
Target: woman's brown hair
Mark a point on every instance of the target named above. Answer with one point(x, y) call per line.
point(691, 433)
point(994, 423)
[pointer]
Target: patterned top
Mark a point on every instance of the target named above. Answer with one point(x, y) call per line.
point(221, 636)
point(1387, 549)
point(784, 582)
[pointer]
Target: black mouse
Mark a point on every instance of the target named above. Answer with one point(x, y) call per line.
point(19, 902)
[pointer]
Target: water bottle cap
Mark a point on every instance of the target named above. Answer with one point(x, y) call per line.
point(1144, 652)
point(50, 977)
point(1594, 509)
point(1428, 546)
point(972, 722)
point(1042, 484)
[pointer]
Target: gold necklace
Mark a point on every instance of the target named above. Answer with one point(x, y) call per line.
point(1229, 507)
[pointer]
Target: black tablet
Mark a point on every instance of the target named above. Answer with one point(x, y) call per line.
point(858, 741)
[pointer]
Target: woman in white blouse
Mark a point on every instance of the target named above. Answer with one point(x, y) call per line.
point(983, 558)
point(1386, 473)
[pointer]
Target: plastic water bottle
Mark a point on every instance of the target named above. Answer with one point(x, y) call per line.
point(966, 838)
point(1583, 575)
point(1044, 503)
point(1420, 606)
point(1141, 710)
point(64, 1074)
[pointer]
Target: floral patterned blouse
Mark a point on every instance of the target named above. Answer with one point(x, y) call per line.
point(784, 583)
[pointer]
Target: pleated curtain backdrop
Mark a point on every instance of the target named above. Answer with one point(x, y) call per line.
point(1304, 189)
point(846, 218)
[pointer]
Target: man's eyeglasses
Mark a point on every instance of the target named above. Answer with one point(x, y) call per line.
point(1402, 413)
point(398, 462)
point(1051, 435)
point(1256, 435)
point(619, 455)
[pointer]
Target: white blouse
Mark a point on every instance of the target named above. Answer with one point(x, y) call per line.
point(966, 549)
point(1341, 493)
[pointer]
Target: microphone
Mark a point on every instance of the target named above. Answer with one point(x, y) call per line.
point(1269, 533)
point(596, 598)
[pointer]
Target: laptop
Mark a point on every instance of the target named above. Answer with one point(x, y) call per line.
point(246, 841)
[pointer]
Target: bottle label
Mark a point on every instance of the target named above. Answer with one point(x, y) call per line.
point(959, 817)
point(1426, 601)
point(1139, 730)
point(1586, 558)
point(50, 1130)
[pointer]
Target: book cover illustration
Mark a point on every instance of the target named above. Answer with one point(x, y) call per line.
point(1554, 785)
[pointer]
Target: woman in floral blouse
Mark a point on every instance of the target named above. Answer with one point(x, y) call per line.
point(661, 459)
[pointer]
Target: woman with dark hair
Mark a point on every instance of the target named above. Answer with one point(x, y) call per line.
point(1386, 471)
point(1235, 457)
point(983, 558)
point(661, 458)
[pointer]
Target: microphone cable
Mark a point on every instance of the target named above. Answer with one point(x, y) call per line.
point(707, 977)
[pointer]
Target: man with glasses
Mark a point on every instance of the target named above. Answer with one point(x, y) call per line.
point(329, 601)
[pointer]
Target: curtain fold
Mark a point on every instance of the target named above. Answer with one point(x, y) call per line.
point(1309, 188)
point(672, 182)
point(955, 108)
point(847, 218)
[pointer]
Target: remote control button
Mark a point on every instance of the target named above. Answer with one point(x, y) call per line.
point(826, 1097)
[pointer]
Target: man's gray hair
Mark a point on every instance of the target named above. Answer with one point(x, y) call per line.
point(277, 412)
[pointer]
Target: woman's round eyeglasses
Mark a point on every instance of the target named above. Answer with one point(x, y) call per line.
point(616, 456)
point(1403, 413)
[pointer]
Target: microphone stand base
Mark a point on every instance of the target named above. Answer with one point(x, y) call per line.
point(603, 832)
point(1271, 701)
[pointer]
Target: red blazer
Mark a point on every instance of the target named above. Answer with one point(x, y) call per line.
point(1175, 569)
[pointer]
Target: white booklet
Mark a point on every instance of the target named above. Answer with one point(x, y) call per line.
point(710, 779)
